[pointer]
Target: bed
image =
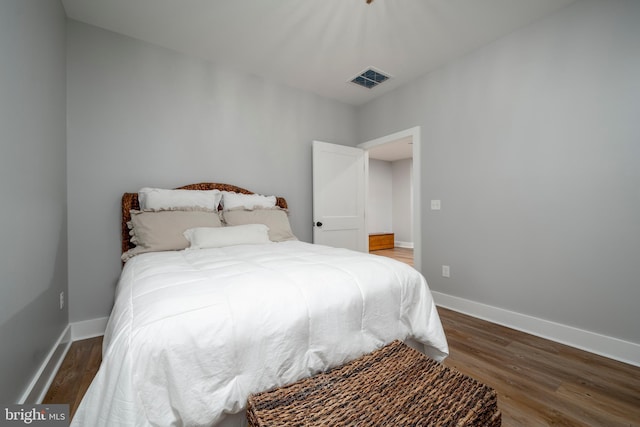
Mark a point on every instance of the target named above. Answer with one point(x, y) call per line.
point(193, 332)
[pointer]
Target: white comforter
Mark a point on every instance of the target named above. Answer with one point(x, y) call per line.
point(193, 333)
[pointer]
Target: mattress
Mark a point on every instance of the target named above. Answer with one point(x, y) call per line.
point(194, 332)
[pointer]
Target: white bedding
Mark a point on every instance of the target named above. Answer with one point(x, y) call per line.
point(194, 332)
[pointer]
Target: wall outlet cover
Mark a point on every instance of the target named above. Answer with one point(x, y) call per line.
point(446, 272)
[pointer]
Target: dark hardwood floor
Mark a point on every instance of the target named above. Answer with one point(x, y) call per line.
point(539, 382)
point(76, 373)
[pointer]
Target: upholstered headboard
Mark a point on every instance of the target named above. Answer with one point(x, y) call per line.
point(130, 201)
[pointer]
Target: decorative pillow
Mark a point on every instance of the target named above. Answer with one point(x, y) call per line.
point(207, 237)
point(158, 198)
point(275, 218)
point(162, 230)
point(231, 200)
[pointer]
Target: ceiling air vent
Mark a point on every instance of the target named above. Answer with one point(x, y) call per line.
point(370, 78)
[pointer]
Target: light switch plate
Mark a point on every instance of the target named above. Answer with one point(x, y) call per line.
point(435, 205)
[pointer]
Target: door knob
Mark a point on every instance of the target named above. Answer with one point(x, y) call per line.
point(318, 224)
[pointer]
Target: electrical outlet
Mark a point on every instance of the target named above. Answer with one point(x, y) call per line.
point(61, 300)
point(446, 272)
point(435, 205)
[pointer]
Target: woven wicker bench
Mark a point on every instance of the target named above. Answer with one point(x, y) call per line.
point(393, 386)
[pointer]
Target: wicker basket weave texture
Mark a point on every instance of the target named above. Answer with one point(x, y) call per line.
point(393, 386)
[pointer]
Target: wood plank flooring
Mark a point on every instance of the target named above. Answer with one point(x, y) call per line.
point(401, 254)
point(76, 373)
point(539, 382)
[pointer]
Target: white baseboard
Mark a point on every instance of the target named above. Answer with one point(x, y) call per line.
point(39, 385)
point(603, 345)
point(44, 376)
point(613, 348)
point(88, 328)
point(401, 244)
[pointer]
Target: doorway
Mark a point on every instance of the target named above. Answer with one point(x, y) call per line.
point(402, 151)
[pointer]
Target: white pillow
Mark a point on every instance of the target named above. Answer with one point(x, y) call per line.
point(231, 200)
point(218, 237)
point(159, 198)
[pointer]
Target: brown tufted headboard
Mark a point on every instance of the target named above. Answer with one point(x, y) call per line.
point(130, 201)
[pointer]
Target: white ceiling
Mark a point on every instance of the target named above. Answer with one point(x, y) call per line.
point(318, 45)
point(395, 150)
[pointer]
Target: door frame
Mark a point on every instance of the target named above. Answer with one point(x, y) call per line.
point(414, 133)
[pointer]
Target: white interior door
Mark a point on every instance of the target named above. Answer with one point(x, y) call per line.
point(339, 196)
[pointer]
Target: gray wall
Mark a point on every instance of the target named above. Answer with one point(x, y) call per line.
point(402, 200)
point(141, 115)
point(389, 202)
point(379, 200)
point(533, 145)
point(33, 238)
